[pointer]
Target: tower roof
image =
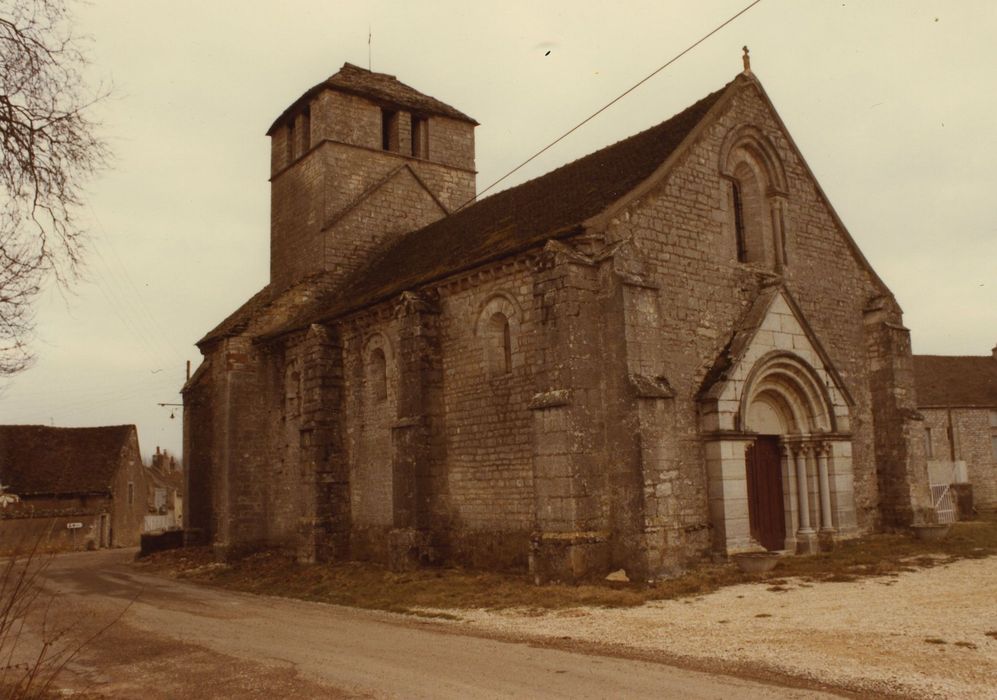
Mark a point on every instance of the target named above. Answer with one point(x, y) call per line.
point(379, 87)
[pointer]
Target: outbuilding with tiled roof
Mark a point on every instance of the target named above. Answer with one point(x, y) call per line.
point(958, 397)
point(71, 488)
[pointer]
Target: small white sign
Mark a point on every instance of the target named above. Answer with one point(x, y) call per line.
point(74, 526)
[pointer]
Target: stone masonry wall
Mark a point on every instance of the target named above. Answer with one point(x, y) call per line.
point(308, 197)
point(400, 205)
point(477, 466)
point(486, 421)
point(367, 421)
point(198, 438)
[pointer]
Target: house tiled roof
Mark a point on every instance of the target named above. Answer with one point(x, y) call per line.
point(38, 459)
point(513, 220)
point(380, 87)
point(944, 380)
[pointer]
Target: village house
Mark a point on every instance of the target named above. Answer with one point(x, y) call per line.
point(71, 488)
point(958, 398)
point(166, 483)
point(668, 349)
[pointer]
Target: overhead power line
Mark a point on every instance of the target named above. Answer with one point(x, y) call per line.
point(611, 103)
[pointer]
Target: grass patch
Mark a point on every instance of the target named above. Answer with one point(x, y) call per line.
point(935, 640)
point(422, 592)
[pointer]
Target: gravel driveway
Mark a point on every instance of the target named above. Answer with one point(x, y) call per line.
point(930, 633)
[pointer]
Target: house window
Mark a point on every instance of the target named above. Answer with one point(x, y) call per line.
point(498, 345)
point(993, 419)
point(420, 137)
point(389, 130)
point(377, 375)
point(929, 447)
point(131, 493)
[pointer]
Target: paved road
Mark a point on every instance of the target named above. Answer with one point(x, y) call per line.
point(181, 640)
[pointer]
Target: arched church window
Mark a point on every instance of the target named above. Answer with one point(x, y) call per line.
point(377, 375)
point(498, 345)
point(749, 215)
point(757, 197)
point(739, 222)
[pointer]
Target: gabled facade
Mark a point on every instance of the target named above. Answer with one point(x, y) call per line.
point(668, 348)
point(76, 488)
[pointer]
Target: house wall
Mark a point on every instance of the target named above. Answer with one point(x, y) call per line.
point(129, 491)
point(969, 440)
point(44, 525)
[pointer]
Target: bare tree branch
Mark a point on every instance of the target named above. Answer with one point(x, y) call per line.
point(49, 148)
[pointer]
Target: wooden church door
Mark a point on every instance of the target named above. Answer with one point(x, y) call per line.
point(765, 498)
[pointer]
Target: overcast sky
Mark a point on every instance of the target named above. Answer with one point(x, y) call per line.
point(892, 104)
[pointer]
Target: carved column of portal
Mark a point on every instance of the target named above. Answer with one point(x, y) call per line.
point(823, 483)
point(805, 536)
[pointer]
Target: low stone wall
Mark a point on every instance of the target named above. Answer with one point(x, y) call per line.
point(52, 534)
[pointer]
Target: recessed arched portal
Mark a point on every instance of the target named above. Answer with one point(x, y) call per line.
point(789, 410)
point(780, 467)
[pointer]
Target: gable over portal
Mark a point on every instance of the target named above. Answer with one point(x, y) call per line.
point(774, 370)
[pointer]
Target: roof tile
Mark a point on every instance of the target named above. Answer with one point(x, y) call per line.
point(380, 87)
point(38, 459)
point(944, 380)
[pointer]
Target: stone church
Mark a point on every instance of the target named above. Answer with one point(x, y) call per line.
point(668, 349)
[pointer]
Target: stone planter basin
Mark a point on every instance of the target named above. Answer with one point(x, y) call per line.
point(756, 562)
point(930, 533)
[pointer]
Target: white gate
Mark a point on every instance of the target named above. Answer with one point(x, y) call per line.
point(941, 497)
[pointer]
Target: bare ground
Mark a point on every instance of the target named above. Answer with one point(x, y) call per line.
point(884, 616)
point(177, 639)
point(931, 633)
